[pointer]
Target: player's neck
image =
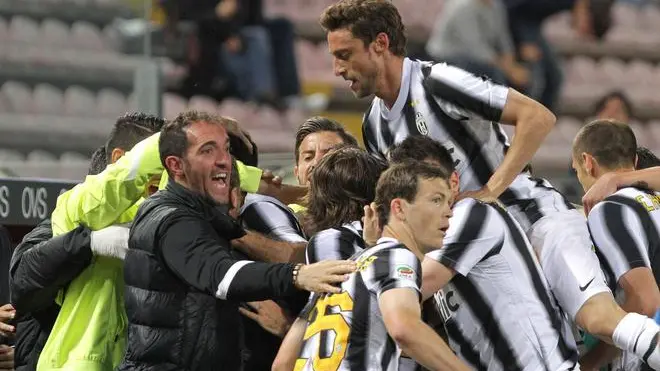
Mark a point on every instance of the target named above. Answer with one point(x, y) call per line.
point(404, 235)
point(391, 81)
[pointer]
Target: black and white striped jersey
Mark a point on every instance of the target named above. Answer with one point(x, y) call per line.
point(461, 111)
point(272, 218)
point(498, 310)
point(449, 105)
point(335, 243)
point(346, 332)
point(625, 230)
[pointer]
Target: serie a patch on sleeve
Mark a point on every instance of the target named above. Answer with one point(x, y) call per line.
point(405, 272)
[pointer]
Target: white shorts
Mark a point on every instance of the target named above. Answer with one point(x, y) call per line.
point(562, 243)
point(561, 239)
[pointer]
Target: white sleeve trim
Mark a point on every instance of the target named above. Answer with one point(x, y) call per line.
point(223, 287)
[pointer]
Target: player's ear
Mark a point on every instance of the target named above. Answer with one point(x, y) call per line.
point(116, 154)
point(295, 171)
point(398, 209)
point(589, 164)
point(236, 202)
point(381, 43)
point(454, 182)
point(174, 164)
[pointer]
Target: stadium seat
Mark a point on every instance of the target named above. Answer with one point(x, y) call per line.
point(201, 103)
point(18, 95)
point(48, 99)
point(68, 157)
point(612, 71)
point(625, 15)
point(110, 103)
point(54, 33)
point(4, 31)
point(640, 73)
point(86, 36)
point(5, 105)
point(569, 127)
point(39, 155)
point(642, 135)
point(79, 102)
point(651, 19)
point(234, 108)
point(24, 30)
point(173, 105)
point(653, 129)
point(10, 155)
point(582, 70)
point(268, 140)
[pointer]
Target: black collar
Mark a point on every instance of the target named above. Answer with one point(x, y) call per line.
point(208, 209)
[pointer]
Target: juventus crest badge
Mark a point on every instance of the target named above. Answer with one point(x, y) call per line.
point(421, 124)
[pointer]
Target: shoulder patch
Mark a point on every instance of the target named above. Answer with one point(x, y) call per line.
point(404, 271)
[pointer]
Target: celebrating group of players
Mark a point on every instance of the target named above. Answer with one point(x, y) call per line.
point(456, 216)
point(460, 257)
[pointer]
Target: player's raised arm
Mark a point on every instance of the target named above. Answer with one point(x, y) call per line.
point(481, 97)
point(609, 183)
point(290, 348)
point(402, 316)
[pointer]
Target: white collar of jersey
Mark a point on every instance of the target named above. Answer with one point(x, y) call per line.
point(397, 108)
point(386, 239)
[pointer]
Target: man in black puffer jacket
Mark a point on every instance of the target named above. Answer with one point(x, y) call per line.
point(183, 287)
point(34, 290)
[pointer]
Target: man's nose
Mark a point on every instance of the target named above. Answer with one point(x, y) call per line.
point(338, 68)
point(223, 159)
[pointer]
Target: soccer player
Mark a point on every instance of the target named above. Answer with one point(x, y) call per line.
point(377, 315)
point(624, 229)
point(336, 202)
point(314, 138)
point(367, 41)
point(497, 309)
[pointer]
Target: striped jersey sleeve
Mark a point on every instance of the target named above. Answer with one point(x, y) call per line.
point(619, 237)
point(475, 233)
point(392, 268)
point(272, 219)
point(476, 96)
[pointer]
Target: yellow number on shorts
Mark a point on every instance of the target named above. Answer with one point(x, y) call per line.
point(329, 322)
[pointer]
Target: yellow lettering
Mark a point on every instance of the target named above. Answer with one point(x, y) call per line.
point(649, 206)
point(334, 322)
point(363, 263)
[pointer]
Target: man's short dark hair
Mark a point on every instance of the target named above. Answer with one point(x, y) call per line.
point(99, 161)
point(422, 148)
point(318, 124)
point(173, 140)
point(646, 159)
point(342, 183)
point(366, 19)
point(401, 180)
point(130, 129)
point(240, 150)
point(616, 94)
point(611, 143)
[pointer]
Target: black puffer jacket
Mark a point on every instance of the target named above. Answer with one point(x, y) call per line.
point(40, 267)
point(183, 286)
